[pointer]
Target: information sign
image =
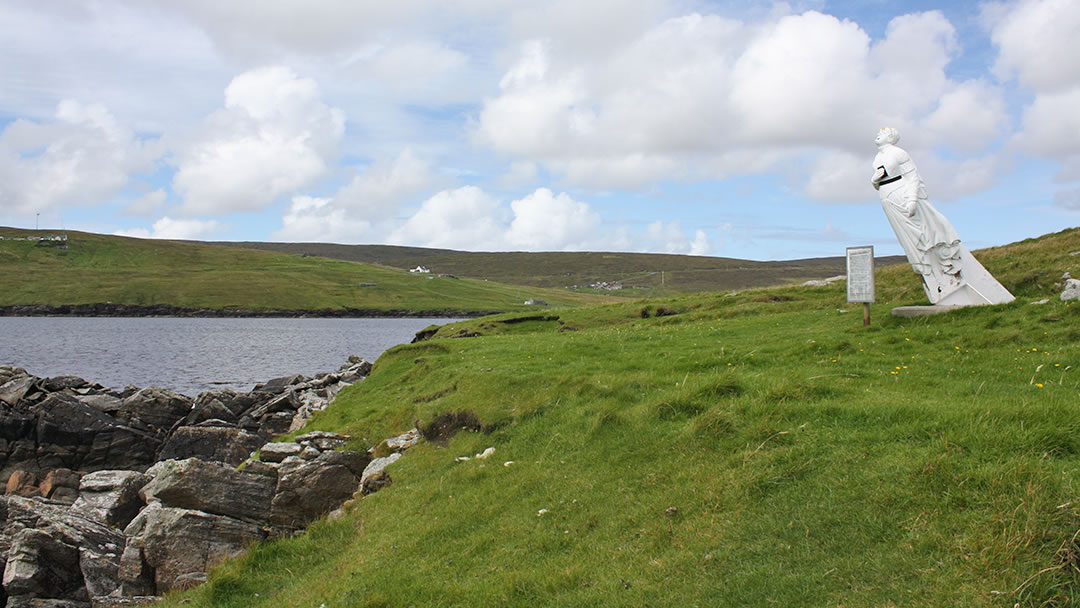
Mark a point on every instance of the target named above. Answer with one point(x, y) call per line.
point(860, 274)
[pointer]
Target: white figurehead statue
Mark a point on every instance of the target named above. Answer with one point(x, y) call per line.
point(950, 274)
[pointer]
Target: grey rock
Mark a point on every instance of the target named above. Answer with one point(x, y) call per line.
point(274, 424)
point(323, 440)
point(309, 490)
point(39, 565)
point(110, 404)
point(404, 441)
point(46, 541)
point(135, 576)
point(375, 477)
point(100, 573)
point(1072, 290)
point(110, 497)
point(212, 488)
point(257, 467)
point(183, 543)
point(60, 431)
point(208, 406)
point(15, 389)
point(309, 453)
point(213, 443)
point(157, 407)
point(59, 383)
point(278, 451)
point(285, 402)
point(277, 385)
point(61, 485)
point(23, 601)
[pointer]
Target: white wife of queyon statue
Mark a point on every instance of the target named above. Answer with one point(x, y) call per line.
point(951, 275)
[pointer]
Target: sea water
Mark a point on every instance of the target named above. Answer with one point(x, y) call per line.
point(190, 355)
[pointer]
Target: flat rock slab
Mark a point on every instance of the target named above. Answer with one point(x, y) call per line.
point(921, 311)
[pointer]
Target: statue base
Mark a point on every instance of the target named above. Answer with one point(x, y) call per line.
point(977, 286)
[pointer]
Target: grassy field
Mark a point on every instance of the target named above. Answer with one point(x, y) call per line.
point(762, 449)
point(98, 268)
point(661, 274)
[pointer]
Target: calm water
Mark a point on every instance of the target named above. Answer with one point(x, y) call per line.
point(194, 355)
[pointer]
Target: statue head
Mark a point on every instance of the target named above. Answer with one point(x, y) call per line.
point(887, 135)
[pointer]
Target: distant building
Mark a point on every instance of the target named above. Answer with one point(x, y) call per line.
point(535, 302)
point(420, 270)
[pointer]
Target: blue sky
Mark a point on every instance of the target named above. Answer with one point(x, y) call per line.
point(719, 128)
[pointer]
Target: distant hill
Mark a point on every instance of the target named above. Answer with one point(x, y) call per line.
point(664, 274)
point(103, 275)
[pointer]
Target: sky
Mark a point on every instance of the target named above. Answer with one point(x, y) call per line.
point(721, 128)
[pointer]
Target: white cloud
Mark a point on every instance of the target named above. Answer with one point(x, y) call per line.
point(147, 205)
point(838, 176)
point(468, 218)
point(669, 237)
point(1036, 41)
point(381, 188)
point(81, 158)
point(370, 197)
point(969, 117)
point(310, 219)
point(273, 137)
point(168, 228)
point(1051, 124)
point(416, 71)
point(544, 221)
point(1068, 199)
point(465, 218)
point(704, 95)
point(521, 173)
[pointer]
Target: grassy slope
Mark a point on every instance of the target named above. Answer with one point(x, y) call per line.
point(98, 268)
point(682, 273)
point(808, 460)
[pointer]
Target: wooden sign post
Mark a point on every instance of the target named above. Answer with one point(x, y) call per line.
point(860, 278)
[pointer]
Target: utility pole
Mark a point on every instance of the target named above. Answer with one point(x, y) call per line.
point(37, 221)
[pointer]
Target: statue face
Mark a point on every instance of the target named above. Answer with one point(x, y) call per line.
point(882, 137)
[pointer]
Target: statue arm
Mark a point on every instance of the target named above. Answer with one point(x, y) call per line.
point(879, 174)
point(875, 181)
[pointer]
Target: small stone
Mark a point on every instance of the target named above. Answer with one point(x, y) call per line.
point(309, 453)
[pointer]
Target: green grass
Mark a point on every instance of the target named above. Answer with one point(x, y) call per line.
point(98, 269)
point(754, 450)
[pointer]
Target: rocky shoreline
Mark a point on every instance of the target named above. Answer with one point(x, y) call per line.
point(114, 498)
point(108, 309)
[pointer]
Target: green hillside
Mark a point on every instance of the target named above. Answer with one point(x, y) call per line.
point(662, 274)
point(761, 449)
point(96, 269)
